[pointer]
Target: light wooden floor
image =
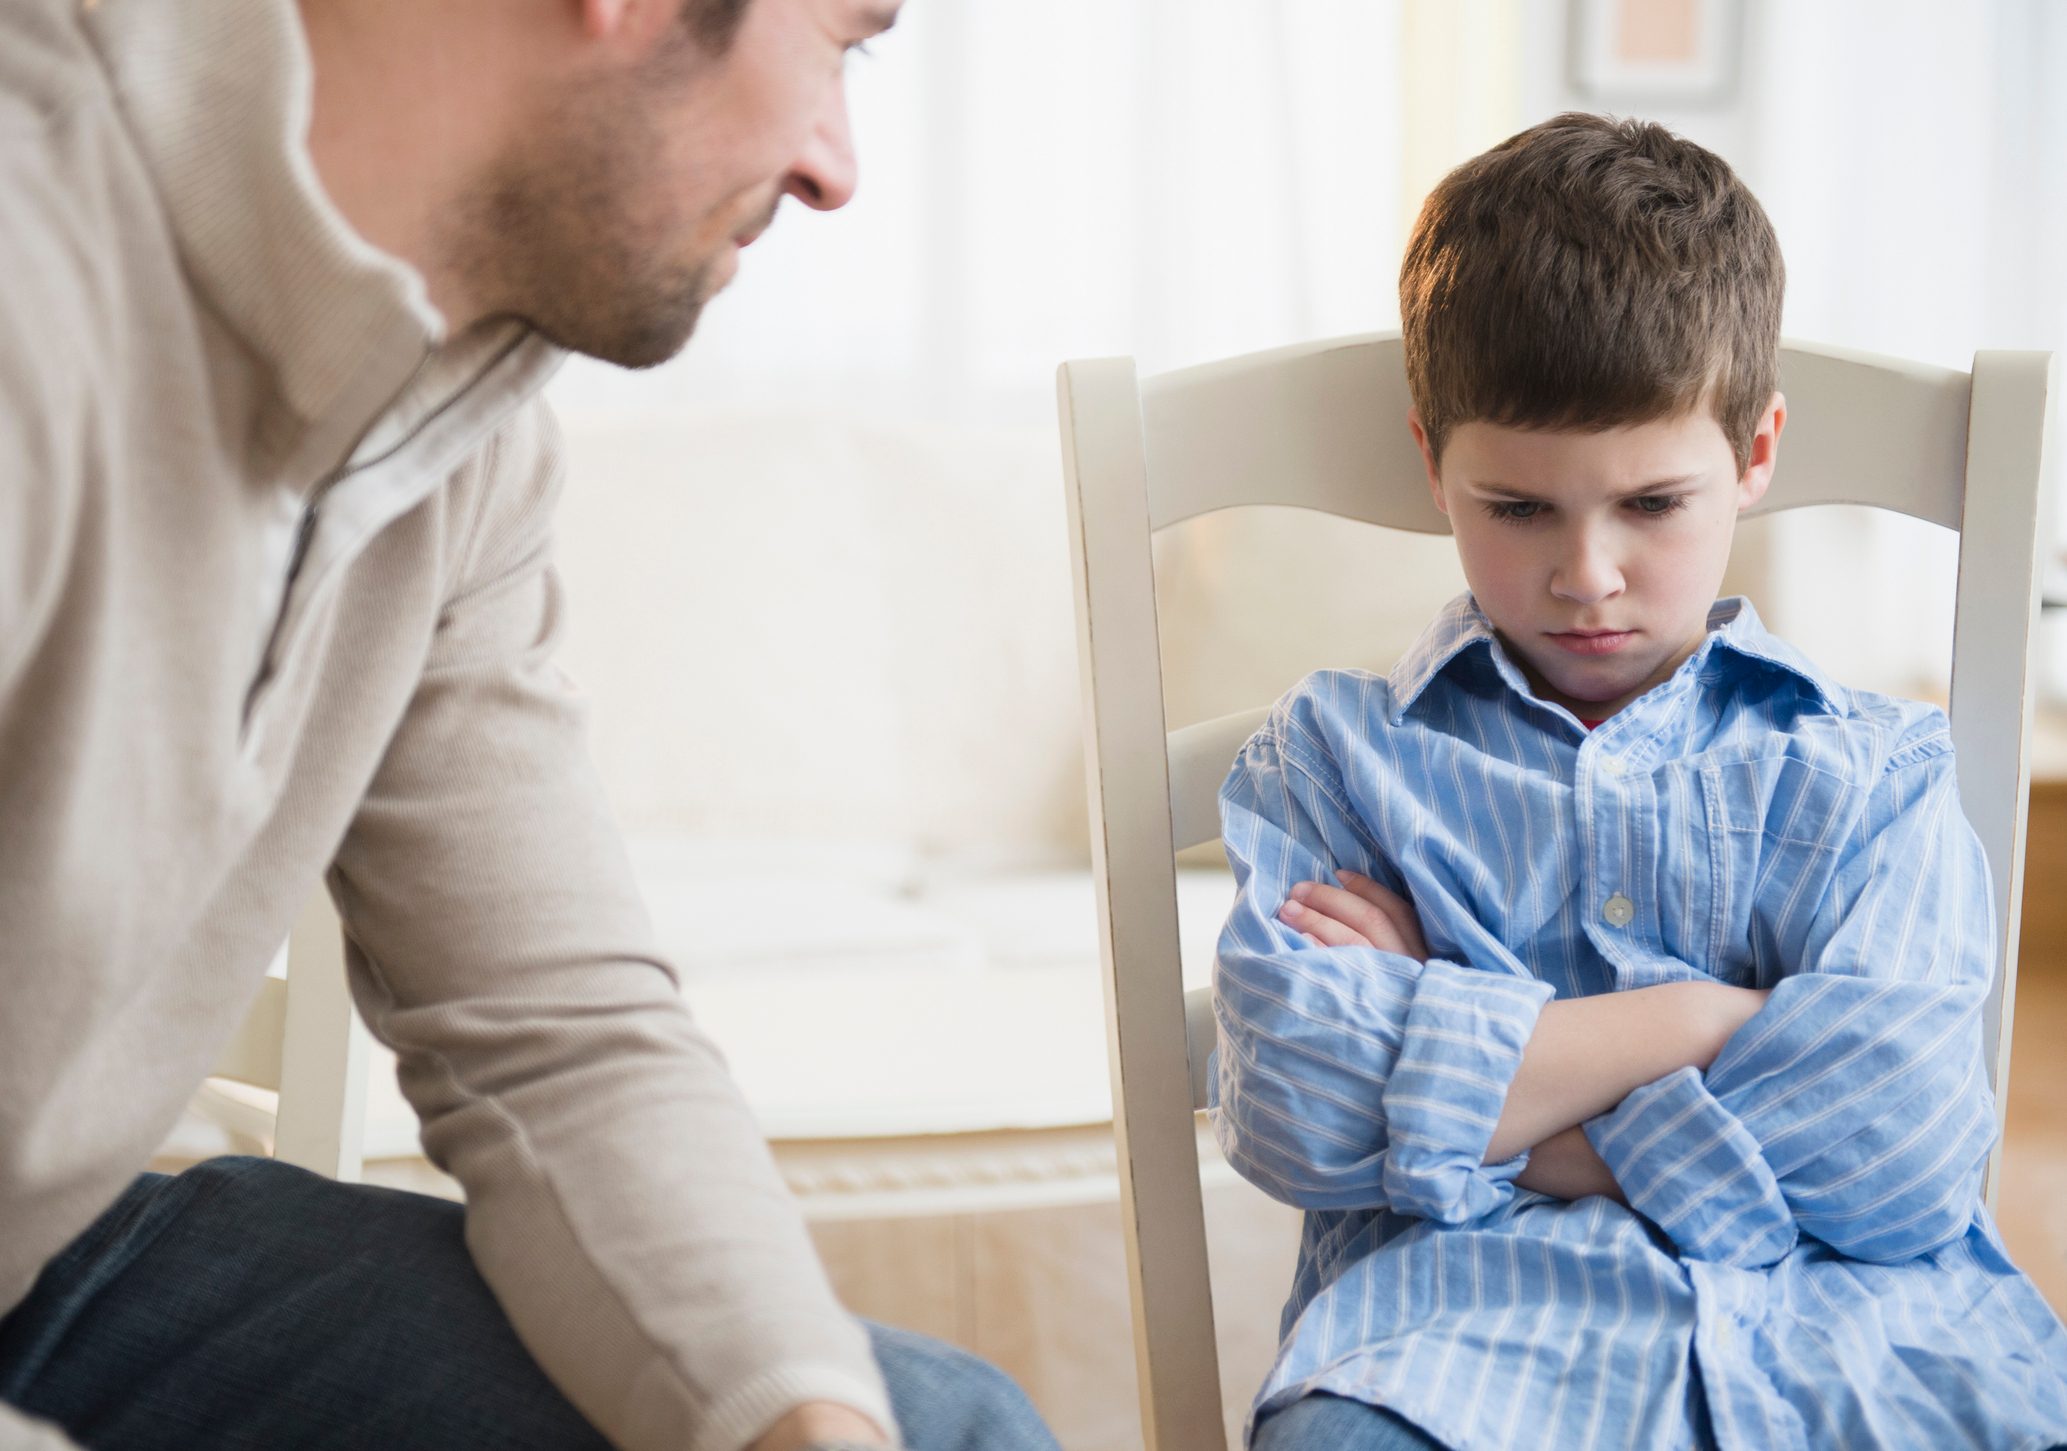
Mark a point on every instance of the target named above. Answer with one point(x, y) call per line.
point(2033, 1206)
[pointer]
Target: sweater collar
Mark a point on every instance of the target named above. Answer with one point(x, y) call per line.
point(217, 98)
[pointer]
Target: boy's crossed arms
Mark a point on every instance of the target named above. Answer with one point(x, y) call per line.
point(1585, 1056)
point(1359, 1070)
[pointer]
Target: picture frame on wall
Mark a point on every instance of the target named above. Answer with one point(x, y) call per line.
point(1681, 54)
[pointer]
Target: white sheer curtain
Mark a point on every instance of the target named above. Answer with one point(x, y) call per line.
point(1180, 180)
point(1175, 179)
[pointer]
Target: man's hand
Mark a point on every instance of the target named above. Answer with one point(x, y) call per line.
point(1359, 913)
point(820, 1421)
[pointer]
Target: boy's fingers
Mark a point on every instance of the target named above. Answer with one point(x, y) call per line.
point(1397, 909)
point(1320, 927)
point(1367, 923)
point(1376, 893)
point(1346, 908)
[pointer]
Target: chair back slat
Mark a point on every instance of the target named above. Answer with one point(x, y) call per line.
point(1315, 426)
point(1199, 759)
point(1884, 432)
point(1323, 426)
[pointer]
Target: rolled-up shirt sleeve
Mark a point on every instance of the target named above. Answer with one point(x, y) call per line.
point(1854, 1108)
point(1349, 1077)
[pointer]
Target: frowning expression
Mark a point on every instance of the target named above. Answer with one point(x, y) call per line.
point(1597, 553)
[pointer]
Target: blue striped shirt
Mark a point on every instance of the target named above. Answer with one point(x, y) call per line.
point(1805, 1260)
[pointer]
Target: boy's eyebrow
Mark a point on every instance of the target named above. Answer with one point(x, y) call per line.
point(1509, 491)
point(877, 21)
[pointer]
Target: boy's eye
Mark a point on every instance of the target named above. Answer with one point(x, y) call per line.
point(1657, 504)
point(1515, 510)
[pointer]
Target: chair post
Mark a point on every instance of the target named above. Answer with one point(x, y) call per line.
point(1106, 484)
point(322, 1118)
point(1992, 649)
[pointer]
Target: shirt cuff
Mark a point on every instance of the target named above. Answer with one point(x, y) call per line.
point(1459, 1048)
point(1690, 1166)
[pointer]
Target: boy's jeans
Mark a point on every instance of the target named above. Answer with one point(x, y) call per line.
point(248, 1304)
point(1333, 1423)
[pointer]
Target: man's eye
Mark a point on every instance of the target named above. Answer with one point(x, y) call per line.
point(1657, 504)
point(1515, 510)
point(860, 48)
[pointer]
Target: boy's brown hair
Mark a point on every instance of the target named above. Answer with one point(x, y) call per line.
point(1591, 273)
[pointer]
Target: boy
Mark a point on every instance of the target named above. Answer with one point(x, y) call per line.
point(1605, 981)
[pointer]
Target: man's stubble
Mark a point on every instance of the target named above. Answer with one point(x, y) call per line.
point(579, 236)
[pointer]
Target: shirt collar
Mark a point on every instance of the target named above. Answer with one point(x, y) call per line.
point(1734, 628)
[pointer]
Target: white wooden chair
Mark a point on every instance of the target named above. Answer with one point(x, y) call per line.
point(302, 1041)
point(1323, 426)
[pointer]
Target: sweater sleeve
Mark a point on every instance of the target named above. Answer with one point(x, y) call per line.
point(1854, 1107)
point(46, 393)
point(1349, 1077)
point(620, 1200)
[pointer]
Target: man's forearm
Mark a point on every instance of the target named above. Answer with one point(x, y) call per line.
point(1588, 1054)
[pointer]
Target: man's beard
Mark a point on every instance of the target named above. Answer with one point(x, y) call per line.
point(558, 237)
point(563, 258)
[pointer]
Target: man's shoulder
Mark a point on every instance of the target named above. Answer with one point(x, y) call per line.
point(47, 68)
point(505, 491)
point(61, 231)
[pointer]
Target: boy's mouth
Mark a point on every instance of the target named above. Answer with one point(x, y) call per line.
point(1592, 642)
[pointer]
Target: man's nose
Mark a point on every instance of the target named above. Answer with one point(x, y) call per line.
point(1588, 574)
point(824, 175)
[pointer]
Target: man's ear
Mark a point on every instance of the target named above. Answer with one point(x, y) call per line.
point(1765, 453)
point(1435, 478)
point(626, 20)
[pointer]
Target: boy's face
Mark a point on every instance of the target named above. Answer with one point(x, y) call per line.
point(1596, 554)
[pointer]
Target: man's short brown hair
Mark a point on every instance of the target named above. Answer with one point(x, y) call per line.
point(713, 23)
point(1592, 273)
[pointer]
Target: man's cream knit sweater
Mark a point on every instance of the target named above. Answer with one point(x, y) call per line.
point(276, 598)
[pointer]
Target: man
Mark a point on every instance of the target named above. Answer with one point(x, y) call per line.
point(282, 283)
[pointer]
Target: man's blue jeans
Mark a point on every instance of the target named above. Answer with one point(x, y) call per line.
point(247, 1304)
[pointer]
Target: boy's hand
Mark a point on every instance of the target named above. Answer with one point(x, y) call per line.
point(1359, 913)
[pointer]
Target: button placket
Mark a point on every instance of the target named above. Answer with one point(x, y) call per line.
point(1599, 799)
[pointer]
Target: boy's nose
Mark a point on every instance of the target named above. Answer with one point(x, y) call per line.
point(1587, 576)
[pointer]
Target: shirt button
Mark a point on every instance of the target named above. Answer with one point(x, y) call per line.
point(1618, 910)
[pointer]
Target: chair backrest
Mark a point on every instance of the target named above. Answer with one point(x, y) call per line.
point(302, 1040)
point(1323, 426)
